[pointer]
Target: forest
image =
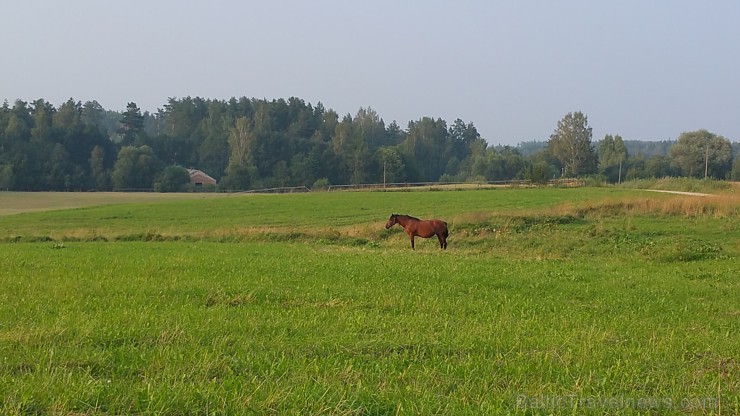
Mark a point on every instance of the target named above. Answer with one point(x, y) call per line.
point(249, 143)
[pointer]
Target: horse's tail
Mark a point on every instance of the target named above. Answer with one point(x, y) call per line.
point(446, 231)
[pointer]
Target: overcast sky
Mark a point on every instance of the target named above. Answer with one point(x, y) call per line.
point(647, 70)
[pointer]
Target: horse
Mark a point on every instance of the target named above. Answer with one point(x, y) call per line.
point(422, 228)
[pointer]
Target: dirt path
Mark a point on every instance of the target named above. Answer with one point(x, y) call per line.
point(678, 192)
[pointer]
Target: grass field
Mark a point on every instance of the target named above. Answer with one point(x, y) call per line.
point(20, 202)
point(587, 300)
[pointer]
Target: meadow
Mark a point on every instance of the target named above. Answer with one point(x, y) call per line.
point(547, 301)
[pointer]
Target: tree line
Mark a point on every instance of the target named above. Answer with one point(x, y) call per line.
point(257, 143)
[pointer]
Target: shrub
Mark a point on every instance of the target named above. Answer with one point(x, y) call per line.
point(174, 179)
point(321, 184)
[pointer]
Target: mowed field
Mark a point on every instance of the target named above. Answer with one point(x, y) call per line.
point(547, 301)
point(20, 202)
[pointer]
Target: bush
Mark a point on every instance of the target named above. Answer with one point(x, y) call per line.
point(320, 184)
point(174, 179)
point(595, 180)
point(540, 172)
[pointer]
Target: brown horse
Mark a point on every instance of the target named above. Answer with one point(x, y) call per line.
point(422, 228)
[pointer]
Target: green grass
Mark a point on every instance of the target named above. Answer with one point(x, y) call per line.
point(316, 213)
point(540, 310)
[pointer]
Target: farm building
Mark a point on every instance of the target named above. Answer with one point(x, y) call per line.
point(199, 178)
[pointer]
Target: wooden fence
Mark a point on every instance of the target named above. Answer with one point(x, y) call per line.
point(570, 182)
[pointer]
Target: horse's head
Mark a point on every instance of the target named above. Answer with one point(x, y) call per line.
point(391, 221)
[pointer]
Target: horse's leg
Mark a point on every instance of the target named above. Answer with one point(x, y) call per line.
point(411, 237)
point(442, 241)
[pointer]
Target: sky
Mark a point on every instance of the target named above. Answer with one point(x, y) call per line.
point(646, 70)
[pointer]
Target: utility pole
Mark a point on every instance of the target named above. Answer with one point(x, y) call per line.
point(706, 161)
point(383, 174)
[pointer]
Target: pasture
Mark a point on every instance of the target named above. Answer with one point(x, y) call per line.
point(584, 300)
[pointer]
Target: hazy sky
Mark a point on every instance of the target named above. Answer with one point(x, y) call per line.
point(647, 70)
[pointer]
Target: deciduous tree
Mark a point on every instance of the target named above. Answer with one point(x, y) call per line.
point(571, 144)
point(101, 177)
point(136, 168)
point(612, 155)
point(702, 154)
point(389, 159)
point(174, 179)
point(7, 178)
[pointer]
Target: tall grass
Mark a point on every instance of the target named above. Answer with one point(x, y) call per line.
point(680, 184)
point(721, 206)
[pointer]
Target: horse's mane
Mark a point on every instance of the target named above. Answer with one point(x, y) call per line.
point(407, 216)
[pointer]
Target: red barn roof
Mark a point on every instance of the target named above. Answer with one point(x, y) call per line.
point(199, 178)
